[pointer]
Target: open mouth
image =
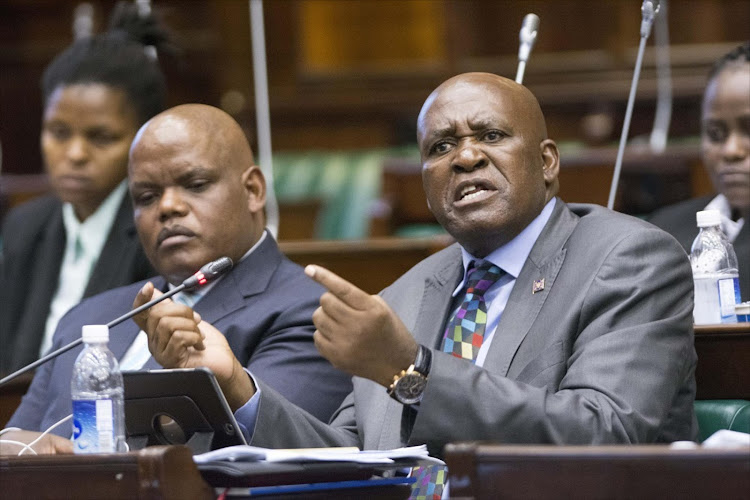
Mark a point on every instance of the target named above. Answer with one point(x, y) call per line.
point(472, 191)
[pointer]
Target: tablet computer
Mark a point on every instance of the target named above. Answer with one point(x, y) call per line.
point(178, 406)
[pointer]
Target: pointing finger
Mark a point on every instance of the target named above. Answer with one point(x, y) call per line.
point(338, 286)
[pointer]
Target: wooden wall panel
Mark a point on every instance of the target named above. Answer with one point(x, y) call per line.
point(353, 74)
point(377, 35)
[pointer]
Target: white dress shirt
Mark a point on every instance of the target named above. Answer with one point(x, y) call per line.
point(83, 245)
point(730, 227)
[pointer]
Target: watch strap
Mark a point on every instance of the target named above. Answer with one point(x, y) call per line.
point(423, 362)
point(420, 367)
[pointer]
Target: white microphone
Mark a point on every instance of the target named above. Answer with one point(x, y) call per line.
point(527, 37)
point(663, 114)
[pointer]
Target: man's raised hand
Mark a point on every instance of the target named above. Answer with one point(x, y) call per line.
point(359, 333)
point(178, 338)
point(172, 329)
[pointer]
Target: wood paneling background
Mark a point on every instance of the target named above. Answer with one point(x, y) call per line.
point(353, 74)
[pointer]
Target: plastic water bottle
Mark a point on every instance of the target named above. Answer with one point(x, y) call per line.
point(714, 263)
point(98, 395)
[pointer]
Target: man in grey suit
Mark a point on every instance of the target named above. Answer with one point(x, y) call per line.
point(585, 335)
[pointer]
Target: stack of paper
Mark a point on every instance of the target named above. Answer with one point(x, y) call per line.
point(256, 454)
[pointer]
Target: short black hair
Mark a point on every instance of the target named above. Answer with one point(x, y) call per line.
point(116, 58)
point(741, 53)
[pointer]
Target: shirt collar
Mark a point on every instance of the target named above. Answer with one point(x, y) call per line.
point(730, 227)
point(512, 256)
point(93, 232)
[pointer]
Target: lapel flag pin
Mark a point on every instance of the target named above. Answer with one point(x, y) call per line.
point(538, 286)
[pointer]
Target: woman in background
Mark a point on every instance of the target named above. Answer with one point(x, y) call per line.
point(80, 240)
point(725, 147)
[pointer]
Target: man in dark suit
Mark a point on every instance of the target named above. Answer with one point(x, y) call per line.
point(725, 145)
point(198, 197)
point(545, 323)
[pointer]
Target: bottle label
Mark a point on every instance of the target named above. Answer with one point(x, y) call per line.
point(729, 295)
point(93, 426)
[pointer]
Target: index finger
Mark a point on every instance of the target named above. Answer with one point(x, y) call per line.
point(338, 286)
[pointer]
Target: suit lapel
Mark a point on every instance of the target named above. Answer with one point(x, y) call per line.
point(544, 263)
point(121, 338)
point(436, 301)
point(52, 248)
point(122, 335)
point(121, 243)
point(434, 307)
point(48, 256)
point(235, 290)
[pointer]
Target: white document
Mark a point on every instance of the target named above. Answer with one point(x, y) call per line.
point(254, 453)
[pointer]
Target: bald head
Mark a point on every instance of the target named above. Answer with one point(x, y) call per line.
point(202, 126)
point(488, 168)
point(197, 194)
point(492, 88)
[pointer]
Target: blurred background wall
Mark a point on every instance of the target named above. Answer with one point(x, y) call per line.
point(349, 75)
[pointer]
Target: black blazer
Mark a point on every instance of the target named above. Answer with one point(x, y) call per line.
point(33, 238)
point(679, 221)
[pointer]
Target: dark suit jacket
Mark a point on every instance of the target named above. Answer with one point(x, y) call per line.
point(33, 246)
point(604, 354)
point(679, 221)
point(264, 308)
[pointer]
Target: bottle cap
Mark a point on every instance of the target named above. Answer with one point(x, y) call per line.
point(743, 312)
point(95, 333)
point(708, 218)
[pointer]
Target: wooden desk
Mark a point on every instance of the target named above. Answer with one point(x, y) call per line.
point(613, 472)
point(166, 472)
point(723, 370)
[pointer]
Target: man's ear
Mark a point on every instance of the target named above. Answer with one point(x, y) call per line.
point(551, 161)
point(255, 185)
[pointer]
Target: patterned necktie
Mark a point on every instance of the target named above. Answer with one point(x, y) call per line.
point(465, 331)
point(463, 337)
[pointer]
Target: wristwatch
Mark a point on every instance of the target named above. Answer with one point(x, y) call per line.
point(408, 386)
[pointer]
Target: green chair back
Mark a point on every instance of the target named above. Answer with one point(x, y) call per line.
point(717, 414)
point(347, 182)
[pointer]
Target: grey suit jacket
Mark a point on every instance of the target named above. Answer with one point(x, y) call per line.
point(263, 307)
point(679, 221)
point(33, 246)
point(604, 354)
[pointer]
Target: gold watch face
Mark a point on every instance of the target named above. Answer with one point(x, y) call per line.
point(409, 388)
